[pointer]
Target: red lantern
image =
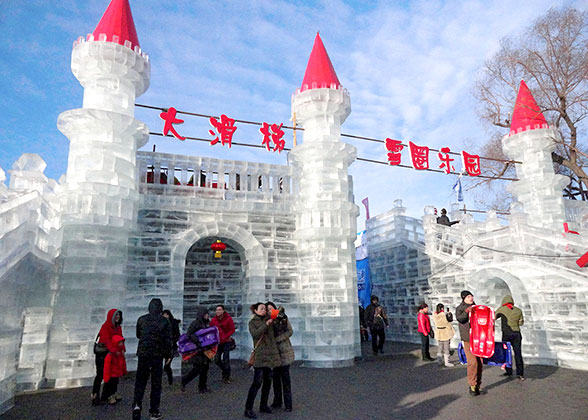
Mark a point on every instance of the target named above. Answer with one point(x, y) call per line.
point(218, 247)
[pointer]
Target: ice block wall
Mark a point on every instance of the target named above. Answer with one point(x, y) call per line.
point(28, 244)
point(326, 228)
point(399, 268)
point(100, 202)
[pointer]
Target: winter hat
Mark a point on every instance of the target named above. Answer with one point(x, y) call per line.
point(465, 294)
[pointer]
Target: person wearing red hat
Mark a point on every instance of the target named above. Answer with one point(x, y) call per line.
point(110, 328)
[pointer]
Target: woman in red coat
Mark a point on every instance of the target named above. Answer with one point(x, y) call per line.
point(424, 329)
point(226, 328)
point(110, 328)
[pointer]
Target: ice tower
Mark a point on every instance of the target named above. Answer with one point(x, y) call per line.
point(99, 208)
point(325, 217)
point(531, 141)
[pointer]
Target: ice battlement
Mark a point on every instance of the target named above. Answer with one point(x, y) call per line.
point(323, 85)
point(528, 128)
point(113, 39)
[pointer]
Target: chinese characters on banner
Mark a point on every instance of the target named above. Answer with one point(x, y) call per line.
point(224, 130)
point(170, 119)
point(419, 156)
point(275, 136)
point(224, 127)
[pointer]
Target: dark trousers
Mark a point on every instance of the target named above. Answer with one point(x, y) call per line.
point(168, 371)
point(378, 338)
point(260, 375)
point(425, 346)
point(148, 366)
point(515, 340)
point(199, 368)
point(223, 359)
point(110, 388)
point(99, 375)
point(281, 377)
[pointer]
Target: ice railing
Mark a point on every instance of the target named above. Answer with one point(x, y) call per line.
point(114, 39)
point(167, 174)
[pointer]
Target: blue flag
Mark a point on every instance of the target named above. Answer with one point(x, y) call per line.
point(457, 189)
point(364, 284)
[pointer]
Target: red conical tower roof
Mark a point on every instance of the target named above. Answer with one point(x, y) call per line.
point(527, 114)
point(319, 69)
point(118, 21)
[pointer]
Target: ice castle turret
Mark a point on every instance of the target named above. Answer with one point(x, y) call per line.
point(99, 208)
point(531, 141)
point(325, 216)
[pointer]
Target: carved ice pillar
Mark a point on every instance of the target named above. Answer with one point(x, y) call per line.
point(326, 220)
point(539, 189)
point(100, 203)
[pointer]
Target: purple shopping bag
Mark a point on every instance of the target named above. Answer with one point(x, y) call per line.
point(208, 337)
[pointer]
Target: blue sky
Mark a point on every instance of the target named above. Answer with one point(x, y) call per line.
point(409, 67)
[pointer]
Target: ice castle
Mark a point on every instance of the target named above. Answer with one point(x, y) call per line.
point(124, 226)
point(117, 231)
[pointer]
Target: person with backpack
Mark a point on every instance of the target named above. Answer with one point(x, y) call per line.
point(110, 328)
point(155, 345)
point(444, 333)
point(200, 362)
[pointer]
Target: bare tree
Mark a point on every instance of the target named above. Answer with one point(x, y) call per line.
point(552, 57)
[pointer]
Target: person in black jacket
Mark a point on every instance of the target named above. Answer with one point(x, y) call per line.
point(155, 344)
point(200, 362)
point(175, 332)
point(462, 313)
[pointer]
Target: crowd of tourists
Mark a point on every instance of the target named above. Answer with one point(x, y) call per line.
point(374, 322)
point(159, 333)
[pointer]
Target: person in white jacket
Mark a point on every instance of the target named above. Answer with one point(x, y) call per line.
point(443, 333)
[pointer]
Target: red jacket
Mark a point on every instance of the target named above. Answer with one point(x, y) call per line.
point(109, 330)
point(424, 323)
point(225, 325)
point(115, 364)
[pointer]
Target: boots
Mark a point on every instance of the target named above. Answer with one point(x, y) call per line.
point(447, 363)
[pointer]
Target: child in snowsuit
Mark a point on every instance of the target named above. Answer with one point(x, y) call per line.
point(115, 366)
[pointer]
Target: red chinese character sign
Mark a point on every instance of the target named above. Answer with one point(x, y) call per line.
point(272, 133)
point(170, 119)
point(443, 156)
point(471, 163)
point(394, 148)
point(419, 155)
point(224, 130)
